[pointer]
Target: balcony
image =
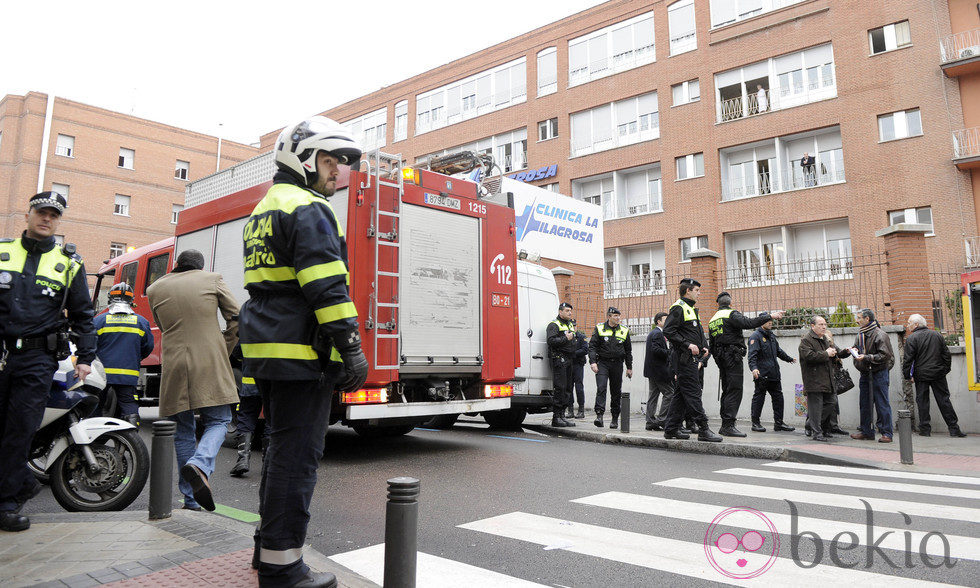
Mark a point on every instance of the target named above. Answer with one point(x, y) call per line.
point(966, 148)
point(637, 285)
point(608, 66)
point(774, 183)
point(776, 98)
point(800, 270)
point(960, 53)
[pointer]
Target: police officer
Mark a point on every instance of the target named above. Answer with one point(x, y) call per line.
point(689, 350)
point(561, 350)
point(299, 334)
point(38, 281)
point(727, 345)
point(125, 339)
point(578, 375)
point(609, 347)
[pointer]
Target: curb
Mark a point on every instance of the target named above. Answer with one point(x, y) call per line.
point(704, 447)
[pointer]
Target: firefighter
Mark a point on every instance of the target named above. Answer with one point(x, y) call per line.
point(38, 282)
point(689, 351)
point(125, 340)
point(609, 347)
point(299, 334)
point(728, 346)
point(561, 350)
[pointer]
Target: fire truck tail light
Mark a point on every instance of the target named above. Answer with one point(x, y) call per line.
point(497, 390)
point(366, 396)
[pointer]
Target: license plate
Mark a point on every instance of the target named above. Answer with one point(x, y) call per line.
point(444, 201)
point(502, 300)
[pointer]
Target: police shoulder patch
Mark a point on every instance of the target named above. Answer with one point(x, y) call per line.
point(752, 341)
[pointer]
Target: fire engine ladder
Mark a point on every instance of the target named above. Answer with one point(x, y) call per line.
point(384, 170)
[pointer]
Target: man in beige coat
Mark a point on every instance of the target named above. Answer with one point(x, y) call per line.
point(196, 371)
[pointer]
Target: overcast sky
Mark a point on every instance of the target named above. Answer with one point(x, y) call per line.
point(250, 66)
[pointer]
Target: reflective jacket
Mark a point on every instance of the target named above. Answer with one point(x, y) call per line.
point(558, 343)
point(297, 280)
point(124, 340)
point(683, 326)
point(726, 326)
point(33, 276)
point(611, 344)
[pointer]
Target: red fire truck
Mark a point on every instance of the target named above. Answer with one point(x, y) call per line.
point(433, 277)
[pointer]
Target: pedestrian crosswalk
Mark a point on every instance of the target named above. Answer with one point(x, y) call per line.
point(799, 505)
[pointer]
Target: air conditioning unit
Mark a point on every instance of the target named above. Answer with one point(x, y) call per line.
point(969, 52)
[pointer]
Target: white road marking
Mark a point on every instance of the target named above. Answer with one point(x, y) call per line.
point(960, 547)
point(431, 571)
point(876, 473)
point(882, 485)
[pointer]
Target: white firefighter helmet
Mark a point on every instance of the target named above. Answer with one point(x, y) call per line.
point(298, 144)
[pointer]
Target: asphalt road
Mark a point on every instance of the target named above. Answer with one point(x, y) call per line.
point(640, 516)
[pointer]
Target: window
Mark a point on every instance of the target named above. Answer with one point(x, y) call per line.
point(614, 125)
point(789, 254)
point(182, 170)
point(116, 249)
point(487, 91)
point(401, 120)
point(725, 12)
point(596, 190)
point(612, 49)
point(634, 270)
point(65, 146)
point(690, 166)
point(175, 212)
point(128, 273)
point(899, 125)
point(156, 267)
point(890, 37)
point(547, 129)
point(61, 189)
point(547, 71)
point(683, 35)
point(370, 129)
point(691, 244)
point(551, 187)
point(126, 158)
point(922, 216)
point(686, 92)
point(121, 206)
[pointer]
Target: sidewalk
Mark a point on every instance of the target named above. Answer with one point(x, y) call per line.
point(936, 454)
point(126, 549)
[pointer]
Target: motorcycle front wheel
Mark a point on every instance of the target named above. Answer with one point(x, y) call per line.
point(124, 466)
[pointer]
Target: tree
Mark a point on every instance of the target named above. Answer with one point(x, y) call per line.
point(842, 317)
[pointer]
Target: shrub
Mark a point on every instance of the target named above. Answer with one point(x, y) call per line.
point(842, 317)
point(796, 318)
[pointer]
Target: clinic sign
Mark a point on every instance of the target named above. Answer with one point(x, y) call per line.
point(556, 226)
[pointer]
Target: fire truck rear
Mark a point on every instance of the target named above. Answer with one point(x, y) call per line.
point(432, 276)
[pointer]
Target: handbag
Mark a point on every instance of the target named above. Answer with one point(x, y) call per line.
point(842, 379)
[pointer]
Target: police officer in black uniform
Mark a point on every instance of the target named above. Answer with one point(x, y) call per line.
point(37, 280)
point(609, 348)
point(727, 345)
point(561, 350)
point(689, 349)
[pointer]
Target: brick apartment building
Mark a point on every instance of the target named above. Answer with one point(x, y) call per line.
point(124, 176)
point(688, 120)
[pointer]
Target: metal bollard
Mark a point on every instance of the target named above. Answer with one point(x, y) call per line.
point(905, 436)
point(401, 532)
point(624, 405)
point(162, 470)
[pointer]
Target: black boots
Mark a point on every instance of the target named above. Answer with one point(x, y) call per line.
point(614, 423)
point(581, 413)
point(244, 454)
point(705, 434)
point(558, 421)
point(598, 420)
point(133, 419)
point(758, 428)
point(781, 426)
point(314, 580)
point(729, 431)
point(678, 434)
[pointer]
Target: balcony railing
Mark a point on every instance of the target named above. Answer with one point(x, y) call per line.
point(684, 43)
point(608, 66)
point(771, 183)
point(966, 143)
point(803, 269)
point(776, 98)
point(635, 285)
point(965, 45)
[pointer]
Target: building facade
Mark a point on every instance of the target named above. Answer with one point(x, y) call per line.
point(123, 176)
point(782, 134)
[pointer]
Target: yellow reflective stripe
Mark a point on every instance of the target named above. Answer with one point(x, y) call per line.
point(248, 380)
point(278, 351)
point(122, 372)
point(18, 256)
point(329, 314)
point(321, 270)
point(269, 274)
point(335, 355)
point(133, 330)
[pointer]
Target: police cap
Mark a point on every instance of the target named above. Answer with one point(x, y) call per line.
point(612, 310)
point(49, 200)
point(723, 293)
point(690, 282)
point(564, 305)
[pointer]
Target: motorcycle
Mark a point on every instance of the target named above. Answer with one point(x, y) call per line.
point(93, 463)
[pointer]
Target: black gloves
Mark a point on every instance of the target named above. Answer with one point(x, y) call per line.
point(355, 364)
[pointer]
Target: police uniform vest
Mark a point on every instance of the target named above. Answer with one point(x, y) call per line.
point(717, 323)
point(690, 328)
point(296, 275)
point(620, 332)
point(567, 348)
point(689, 312)
point(611, 342)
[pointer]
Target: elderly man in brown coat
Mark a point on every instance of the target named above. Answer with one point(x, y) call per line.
point(196, 371)
point(819, 357)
